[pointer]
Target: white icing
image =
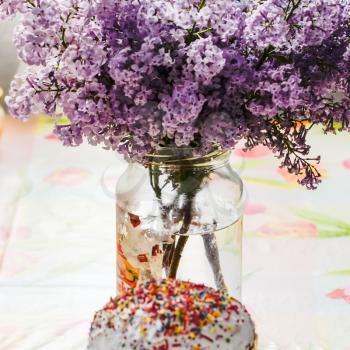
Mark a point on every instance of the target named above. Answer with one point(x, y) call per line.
point(114, 330)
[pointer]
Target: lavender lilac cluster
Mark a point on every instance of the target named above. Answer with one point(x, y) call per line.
point(135, 75)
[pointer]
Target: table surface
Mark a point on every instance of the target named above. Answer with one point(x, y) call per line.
point(57, 243)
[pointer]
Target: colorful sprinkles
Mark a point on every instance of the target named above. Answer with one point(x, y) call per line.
point(167, 314)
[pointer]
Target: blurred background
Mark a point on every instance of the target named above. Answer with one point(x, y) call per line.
point(8, 58)
point(8, 66)
point(57, 219)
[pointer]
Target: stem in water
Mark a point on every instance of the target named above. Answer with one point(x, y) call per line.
point(212, 253)
point(183, 237)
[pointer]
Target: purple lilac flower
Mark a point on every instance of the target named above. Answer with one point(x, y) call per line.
point(181, 110)
point(8, 8)
point(136, 75)
point(266, 25)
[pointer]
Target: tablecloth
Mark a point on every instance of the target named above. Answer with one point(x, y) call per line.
point(57, 257)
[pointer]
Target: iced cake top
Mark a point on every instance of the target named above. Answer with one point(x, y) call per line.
point(170, 314)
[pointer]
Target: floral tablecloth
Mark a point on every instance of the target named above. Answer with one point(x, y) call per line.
point(57, 243)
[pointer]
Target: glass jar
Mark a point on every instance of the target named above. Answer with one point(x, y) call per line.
point(180, 216)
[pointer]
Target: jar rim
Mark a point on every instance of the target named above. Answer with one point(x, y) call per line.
point(187, 156)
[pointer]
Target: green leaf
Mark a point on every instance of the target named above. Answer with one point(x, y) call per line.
point(322, 219)
point(272, 182)
point(333, 234)
point(338, 273)
point(328, 226)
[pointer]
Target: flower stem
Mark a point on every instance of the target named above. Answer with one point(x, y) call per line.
point(183, 237)
point(212, 253)
point(168, 255)
point(295, 4)
point(29, 2)
point(187, 184)
point(265, 55)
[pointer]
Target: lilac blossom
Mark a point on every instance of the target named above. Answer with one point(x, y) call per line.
point(266, 25)
point(136, 75)
point(8, 8)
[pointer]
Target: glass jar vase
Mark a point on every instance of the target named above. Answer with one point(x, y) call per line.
point(180, 216)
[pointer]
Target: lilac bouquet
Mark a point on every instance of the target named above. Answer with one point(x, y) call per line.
point(136, 75)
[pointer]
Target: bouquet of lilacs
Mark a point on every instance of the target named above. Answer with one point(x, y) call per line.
point(135, 75)
point(138, 75)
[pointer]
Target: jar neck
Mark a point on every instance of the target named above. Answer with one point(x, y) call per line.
point(185, 157)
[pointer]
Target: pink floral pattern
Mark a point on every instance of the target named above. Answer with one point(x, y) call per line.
point(253, 209)
point(19, 233)
point(342, 294)
point(346, 163)
point(257, 152)
point(294, 229)
point(51, 136)
point(67, 177)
